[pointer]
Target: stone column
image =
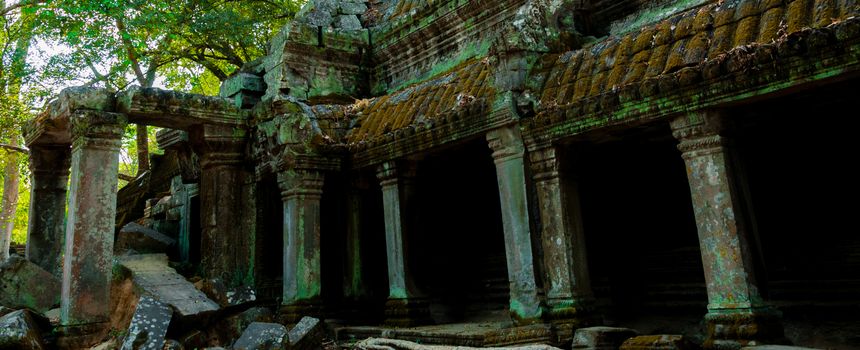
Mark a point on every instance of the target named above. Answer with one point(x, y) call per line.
point(567, 284)
point(226, 244)
point(49, 169)
point(508, 152)
point(96, 139)
point(404, 307)
point(736, 314)
point(301, 191)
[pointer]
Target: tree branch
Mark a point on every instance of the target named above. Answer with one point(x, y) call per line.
point(14, 148)
point(125, 177)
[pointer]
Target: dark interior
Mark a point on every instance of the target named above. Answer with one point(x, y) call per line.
point(643, 248)
point(457, 251)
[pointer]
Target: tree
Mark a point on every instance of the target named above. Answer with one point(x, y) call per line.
point(18, 21)
point(175, 41)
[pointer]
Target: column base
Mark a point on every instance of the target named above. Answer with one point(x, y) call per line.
point(293, 313)
point(81, 336)
point(568, 315)
point(407, 312)
point(733, 329)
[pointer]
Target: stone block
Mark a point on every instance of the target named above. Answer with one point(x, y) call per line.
point(352, 8)
point(216, 290)
point(601, 338)
point(657, 342)
point(152, 275)
point(148, 325)
point(348, 22)
point(19, 330)
point(142, 240)
point(26, 285)
point(230, 329)
point(308, 334)
point(263, 336)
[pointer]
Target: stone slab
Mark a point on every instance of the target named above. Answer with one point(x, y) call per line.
point(148, 325)
point(307, 334)
point(348, 22)
point(152, 274)
point(26, 285)
point(141, 239)
point(601, 338)
point(657, 342)
point(263, 336)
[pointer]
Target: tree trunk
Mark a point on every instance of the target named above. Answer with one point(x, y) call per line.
point(142, 149)
point(9, 203)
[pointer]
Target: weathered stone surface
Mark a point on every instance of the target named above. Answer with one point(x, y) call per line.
point(216, 290)
point(774, 347)
point(148, 326)
point(18, 330)
point(24, 284)
point(53, 315)
point(151, 273)
point(142, 239)
point(171, 344)
point(348, 22)
point(394, 344)
point(228, 330)
point(657, 342)
point(352, 8)
point(601, 338)
point(5, 310)
point(307, 334)
point(260, 336)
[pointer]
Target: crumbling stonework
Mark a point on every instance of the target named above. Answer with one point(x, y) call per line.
point(311, 183)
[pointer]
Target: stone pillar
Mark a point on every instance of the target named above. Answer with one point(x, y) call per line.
point(301, 191)
point(49, 169)
point(567, 284)
point(96, 139)
point(404, 307)
point(736, 314)
point(508, 152)
point(226, 244)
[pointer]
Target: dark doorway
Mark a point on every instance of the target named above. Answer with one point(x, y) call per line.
point(457, 251)
point(641, 236)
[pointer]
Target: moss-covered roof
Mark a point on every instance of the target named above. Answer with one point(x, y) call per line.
point(466, 84)
point(685, 40)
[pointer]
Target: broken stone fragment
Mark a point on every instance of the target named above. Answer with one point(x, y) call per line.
point(230, 329)
point(657, 342)
point(601, 338)
point(216, 290)
point(141, 239)
point(18, 330)
point(154, 277)
point(148, 325)
point(352, 8)
point(26, 285)
point(348, 22)
point(263, 336)
point(5, 311)
point(53, 316)
point(395, 344)
point(307, 334)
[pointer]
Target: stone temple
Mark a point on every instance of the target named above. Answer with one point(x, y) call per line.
point(493, 172)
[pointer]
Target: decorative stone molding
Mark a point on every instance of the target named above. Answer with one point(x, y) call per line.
point(506, 143)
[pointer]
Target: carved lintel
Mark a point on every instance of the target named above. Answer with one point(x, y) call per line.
point(506, 143)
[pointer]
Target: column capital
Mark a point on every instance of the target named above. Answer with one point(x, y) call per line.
point(544, 163)
point(219, 145)
point(97, 129)
point(301, 182)
point(50, 159)
point(506, 143)
point(391, 171)
point(699, 131)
